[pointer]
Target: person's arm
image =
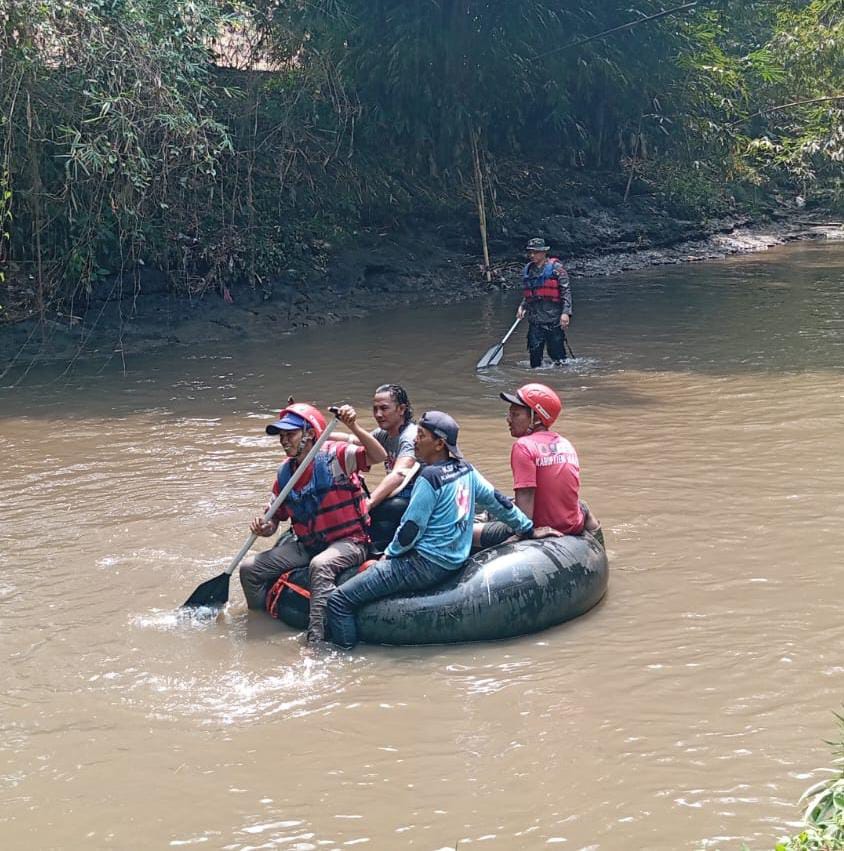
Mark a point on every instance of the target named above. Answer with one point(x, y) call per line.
point(267, 528)
point(565, 294)
point(394, 479)
point(263, 528)
point(342, 437)
point(500, 506)
point(375, 452)
point(524, 484)
point(523, 467)
point(415, 519)
point(525, 499)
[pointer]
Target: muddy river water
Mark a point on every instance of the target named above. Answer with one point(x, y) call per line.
point(687, 711)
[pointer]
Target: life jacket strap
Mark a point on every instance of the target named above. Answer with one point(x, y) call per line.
point(281, 583)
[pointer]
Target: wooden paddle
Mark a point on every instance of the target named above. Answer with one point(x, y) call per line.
point(493, 355)
point(215, 592)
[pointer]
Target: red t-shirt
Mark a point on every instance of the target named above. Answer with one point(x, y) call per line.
point(548, 462)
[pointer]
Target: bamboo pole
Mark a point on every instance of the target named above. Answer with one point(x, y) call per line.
point(627, 26)
point(636, 145)
point(782, 106)
point(34, 151)
point(480, 200)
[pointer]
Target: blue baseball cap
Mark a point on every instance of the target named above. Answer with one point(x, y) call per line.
point(289, 422)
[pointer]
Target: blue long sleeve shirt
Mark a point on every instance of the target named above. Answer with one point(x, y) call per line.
point(438, 520)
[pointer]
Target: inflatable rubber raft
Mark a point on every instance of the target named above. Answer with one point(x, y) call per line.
point(509, 590)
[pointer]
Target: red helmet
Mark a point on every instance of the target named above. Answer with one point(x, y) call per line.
point(311, 415)
point(542, 400)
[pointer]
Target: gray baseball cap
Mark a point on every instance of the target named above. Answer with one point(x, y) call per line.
point(444, 427)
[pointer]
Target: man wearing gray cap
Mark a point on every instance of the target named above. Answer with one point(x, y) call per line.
point(546, 301)
point(435, 533)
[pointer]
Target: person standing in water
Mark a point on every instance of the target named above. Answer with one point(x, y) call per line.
point(546, 301)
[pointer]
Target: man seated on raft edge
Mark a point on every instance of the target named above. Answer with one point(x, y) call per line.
point(396, 433)
point(435, 533)
point(546, 469)
point(326, 508)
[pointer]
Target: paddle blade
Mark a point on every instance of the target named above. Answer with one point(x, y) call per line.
point(492, 357)
point(214, 592)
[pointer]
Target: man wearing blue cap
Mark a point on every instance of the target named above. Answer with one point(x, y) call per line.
point(435, 533)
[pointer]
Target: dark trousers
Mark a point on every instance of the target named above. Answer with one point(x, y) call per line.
point(495, 532)
point(411, 572)
point(541, 335)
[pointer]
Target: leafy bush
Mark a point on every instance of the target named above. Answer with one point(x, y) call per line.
point(219, 140)
point(824, 815)
point(687, 192)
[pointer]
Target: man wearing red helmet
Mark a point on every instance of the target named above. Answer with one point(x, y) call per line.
point(546, 470)
point(327, 510)
point(435, 534)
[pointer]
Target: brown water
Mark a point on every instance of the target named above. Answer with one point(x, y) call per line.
point(687, 711)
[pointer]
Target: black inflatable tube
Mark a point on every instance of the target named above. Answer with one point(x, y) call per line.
point(510, 590)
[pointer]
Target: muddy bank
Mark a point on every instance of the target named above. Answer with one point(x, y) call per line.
point(420, 261)
point(728, 238)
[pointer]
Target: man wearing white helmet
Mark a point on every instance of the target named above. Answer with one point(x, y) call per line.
point(546, 469)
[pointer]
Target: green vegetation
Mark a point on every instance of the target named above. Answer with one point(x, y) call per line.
point(824, 816)
point(223, 142)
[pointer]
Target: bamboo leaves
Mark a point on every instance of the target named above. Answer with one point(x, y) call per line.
point(120, 138)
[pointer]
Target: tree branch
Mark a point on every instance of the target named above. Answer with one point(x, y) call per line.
point(786, 106)
point(627, 26)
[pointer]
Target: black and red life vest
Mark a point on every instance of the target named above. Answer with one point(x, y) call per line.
point(330, 507)
point(541, 283)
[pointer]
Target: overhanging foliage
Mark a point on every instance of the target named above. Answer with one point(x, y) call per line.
point(122, 144)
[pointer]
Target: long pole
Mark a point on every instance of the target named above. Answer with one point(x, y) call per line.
point(480, 200)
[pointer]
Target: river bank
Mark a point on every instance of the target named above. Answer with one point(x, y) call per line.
point(403, 264)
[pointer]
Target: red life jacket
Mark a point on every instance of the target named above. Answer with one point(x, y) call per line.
point(541, 283)
point(341, 514)
point(337, 510)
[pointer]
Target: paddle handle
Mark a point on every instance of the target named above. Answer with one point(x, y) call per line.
point(512, 329)
point(242, 552)
point(276, 503)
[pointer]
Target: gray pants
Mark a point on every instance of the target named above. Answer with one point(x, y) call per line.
point(259, 573)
